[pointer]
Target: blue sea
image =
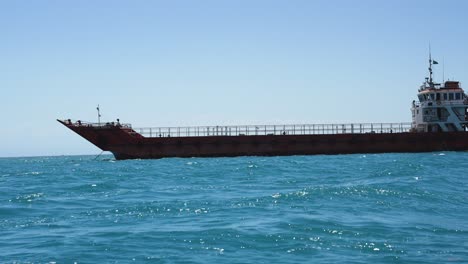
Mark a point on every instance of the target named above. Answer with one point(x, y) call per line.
point(372, 208)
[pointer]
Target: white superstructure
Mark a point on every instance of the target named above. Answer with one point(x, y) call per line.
point(441, 107)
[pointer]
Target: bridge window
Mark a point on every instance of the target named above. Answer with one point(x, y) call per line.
point(445, 96)
point(457, 96)
point(432, 96)
point(421, 98)
point(450, 96)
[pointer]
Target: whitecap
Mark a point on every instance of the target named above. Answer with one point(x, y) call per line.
point(302, 193)
point(276, 195)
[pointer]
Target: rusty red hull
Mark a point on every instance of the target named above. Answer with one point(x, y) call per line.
point(124, 143)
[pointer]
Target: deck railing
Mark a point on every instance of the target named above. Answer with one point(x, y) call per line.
point(267, 130)
point(97, 125)
point(441, 103)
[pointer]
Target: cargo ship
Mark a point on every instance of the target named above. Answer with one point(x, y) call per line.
point(439, 123)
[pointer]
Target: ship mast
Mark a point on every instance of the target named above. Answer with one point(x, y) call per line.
point(431, 62)
point(98, 115)
point(430, 67)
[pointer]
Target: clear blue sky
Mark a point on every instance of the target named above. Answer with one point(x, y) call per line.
point(171, 63)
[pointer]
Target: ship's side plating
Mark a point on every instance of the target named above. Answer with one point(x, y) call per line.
point(221, 146)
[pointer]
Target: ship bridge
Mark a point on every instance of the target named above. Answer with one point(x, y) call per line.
point(440, 107)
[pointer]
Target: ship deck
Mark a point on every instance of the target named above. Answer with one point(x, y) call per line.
point(257, 130)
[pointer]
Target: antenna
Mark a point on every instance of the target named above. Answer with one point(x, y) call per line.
point(443, 69)
point(98, 115)
point(430, 65)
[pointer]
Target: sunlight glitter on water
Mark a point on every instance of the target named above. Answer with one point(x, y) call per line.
point(362, 208)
